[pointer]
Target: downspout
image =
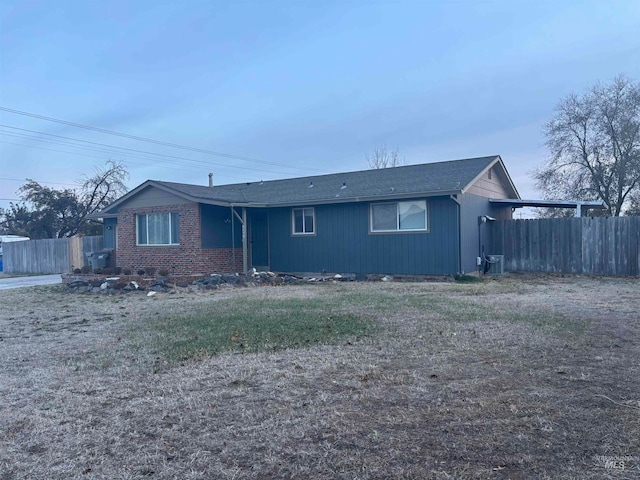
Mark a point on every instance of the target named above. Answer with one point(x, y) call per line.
point(457, 202)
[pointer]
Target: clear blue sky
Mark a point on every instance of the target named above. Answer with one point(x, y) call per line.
point(313, 85)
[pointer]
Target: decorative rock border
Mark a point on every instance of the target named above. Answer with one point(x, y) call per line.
point(112, 285)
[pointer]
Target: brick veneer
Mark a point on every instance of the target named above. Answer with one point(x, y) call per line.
point(184, 259)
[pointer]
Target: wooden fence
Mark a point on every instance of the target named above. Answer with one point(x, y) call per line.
point(51, 255)
point(587, 245)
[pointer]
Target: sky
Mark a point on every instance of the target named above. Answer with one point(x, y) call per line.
point(278, 89)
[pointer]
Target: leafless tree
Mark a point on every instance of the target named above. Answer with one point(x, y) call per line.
point(383, 158)
point(594, 144)
point(103, 187)
point(49, 213)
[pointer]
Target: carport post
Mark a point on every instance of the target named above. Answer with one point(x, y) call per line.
point(244, 240)
point(243, 221)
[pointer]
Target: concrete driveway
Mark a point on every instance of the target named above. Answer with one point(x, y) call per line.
point(18, 282)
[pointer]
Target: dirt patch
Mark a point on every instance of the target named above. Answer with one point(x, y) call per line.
point(516, 377)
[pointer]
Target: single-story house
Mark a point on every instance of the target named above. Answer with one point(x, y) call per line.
point(426, 219)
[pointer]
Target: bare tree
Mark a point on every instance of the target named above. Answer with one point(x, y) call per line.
point(382, 158)
point(105, 186)
point(49, 213)
point(594, 141)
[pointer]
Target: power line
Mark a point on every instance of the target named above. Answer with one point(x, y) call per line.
point(87, 155)
point(49, 183)
point(67, 144)
point(151, 140)
point(134, 150)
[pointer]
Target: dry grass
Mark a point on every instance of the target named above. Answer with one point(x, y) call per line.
point(521, 377)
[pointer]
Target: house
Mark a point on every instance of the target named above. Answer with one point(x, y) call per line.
point(416, 219)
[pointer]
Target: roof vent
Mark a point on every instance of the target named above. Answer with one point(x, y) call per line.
point(261, 182)
point(337, 195)
point(310, 184)
point(344, 185)
point(211, 179)
point(393, 189)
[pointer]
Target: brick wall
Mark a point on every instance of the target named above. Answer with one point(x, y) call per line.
point(184, 259)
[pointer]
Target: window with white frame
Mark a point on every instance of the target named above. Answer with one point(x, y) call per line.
point(410, 216)
point(157, 229)
point(303, 221)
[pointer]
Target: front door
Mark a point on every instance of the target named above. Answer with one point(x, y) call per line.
point(259, 239)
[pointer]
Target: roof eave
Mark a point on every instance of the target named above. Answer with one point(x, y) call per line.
point(368, 198)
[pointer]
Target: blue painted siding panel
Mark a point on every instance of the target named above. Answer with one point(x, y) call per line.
point(342, 242)
point(215, 224)
point(109, 232)
point(472, 207)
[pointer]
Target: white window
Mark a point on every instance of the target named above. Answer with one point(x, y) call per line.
point(303, 221)
point(408, 216)
point(157, 229)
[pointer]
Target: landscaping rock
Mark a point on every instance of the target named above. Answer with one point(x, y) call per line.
point(233, 279)
point(292, 279)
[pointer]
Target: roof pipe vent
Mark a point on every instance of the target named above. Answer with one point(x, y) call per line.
point(344, 185)
point(310, 184)
point(211, 179)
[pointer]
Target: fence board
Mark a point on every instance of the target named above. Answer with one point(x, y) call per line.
point(587, 245)
point(51, 255)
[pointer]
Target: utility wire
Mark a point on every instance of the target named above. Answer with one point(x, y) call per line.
point(72, 145)
point(93, 156)
point(151, 140)
point(49, 183)
point(138, 151)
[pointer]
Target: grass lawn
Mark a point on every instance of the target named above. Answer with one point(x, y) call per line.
point(516, 377)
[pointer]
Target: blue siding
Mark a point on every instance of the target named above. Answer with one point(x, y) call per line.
point(109, 232)
point(216, 227)
point(342, 242)
point(472, 207)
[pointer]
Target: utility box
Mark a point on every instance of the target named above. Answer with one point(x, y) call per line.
point(98, 259)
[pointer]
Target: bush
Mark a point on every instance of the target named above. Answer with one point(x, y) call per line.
point(117, 270)
point(151, 271)
point(97, 271)
point(140, 271)
point(126, 271)
point(77, 271)
point(86, 269)
point(163, 272)
point(107, 271)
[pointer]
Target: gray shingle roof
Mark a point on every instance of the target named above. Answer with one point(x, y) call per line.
point(424, 179)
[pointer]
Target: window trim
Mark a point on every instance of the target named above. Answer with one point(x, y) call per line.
point(398, 230)
point(171, 216)
point(293, 222)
